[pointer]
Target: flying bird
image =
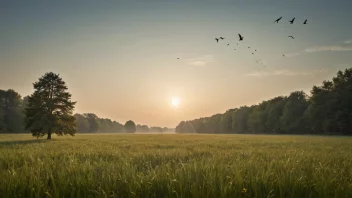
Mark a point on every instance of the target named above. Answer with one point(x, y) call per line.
point(241, 38)
point(178, 58)
point(252, 53)
point(228, 44)
point(277, 20)
point(255, 50)
point(222, 38)
point(217, 40)
point(234, 49)
point(283, 55)
point(291, 37)
point(292, 20)
point(305, 22)
point(249, 47)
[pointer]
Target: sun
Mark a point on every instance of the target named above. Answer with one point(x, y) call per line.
point(175, 101)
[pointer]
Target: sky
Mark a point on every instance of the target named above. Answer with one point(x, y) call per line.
point(119, 58)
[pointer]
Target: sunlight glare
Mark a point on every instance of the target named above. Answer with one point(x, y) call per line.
point(175, 101)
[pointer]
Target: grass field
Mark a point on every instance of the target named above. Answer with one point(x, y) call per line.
point(175, 165)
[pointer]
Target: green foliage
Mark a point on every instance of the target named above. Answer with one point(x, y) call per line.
point(330, 109)
point(82, 124)
point(293, 119)
point(2, 113)
point(239, 119)
point(49, 109)
point(179, 165)
point(93, 121)
point(142, 128)
point(327, 111)
point(156, 129)
point(130, 127)
point(226, 121)
point(11, 112)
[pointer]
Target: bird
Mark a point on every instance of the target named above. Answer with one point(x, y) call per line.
point(305, 22)
point(252, 53)
point(277, 20)
point(291, 37)
point(241, 37)
point(222, 38)
point(178, 58)
point(283, 55)
point(234, 49)
point(292, 20)
point(228, 44)
point(255, 50)
point(217, 40)
point(249, 47)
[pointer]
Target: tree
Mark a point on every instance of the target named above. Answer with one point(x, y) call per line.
point(93, 121)
point(11, 112)
point(50, 108)
point(273, 113)
point(293, 119)
point(2, 122)
point(130, 127)
point(226, 121)
point(142, 128)
point(327, 111)
point(82, 123)
point(239, 120)
point(156, 129)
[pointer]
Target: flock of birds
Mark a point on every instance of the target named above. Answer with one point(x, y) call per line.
point(241, 37)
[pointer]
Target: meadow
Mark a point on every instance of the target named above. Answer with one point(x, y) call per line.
point(175, 165)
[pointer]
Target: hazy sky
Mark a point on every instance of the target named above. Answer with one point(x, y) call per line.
point(119, 58)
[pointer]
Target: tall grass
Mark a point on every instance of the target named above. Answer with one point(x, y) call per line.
point(104, 165)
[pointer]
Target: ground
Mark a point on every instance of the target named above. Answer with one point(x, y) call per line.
point(175, 165)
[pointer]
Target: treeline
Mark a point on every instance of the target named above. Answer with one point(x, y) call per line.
point(91, 123)
point(328, 110)
point(12, 111)
point(12, 108)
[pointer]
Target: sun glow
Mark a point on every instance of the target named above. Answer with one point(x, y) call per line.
point(175, 101)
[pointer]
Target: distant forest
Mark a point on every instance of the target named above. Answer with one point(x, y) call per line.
point(328, 110)
point(12, 117)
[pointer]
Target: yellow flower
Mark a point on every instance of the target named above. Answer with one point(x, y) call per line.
point(244, 190)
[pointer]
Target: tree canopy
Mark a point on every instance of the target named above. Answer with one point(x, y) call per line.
point(50, 108)
point(130, 127)
point(11, 112)
point(327, 111)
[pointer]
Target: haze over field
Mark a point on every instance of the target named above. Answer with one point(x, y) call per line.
point(119, 58)
point(176, 98)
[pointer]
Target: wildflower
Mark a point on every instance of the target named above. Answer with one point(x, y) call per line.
point(244, 190)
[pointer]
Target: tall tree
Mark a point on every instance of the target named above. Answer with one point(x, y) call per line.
point(50, 108)
point(273, 113)
point(293, 119)
point(130, 127)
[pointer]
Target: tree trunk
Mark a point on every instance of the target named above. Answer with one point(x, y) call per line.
point(49, 135)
